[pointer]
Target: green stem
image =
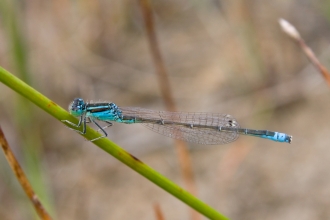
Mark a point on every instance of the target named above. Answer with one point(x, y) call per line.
point(56, 111)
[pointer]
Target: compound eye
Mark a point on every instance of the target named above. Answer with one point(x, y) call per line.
point(77, 107)
point(78, 102)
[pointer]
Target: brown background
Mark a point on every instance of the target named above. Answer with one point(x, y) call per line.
point(221, 56)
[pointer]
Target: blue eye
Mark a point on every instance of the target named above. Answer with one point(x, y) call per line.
point(76, 108)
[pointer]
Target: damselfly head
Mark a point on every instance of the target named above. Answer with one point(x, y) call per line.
point(77, 107)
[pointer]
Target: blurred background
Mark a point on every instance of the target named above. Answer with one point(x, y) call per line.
point(221, 56)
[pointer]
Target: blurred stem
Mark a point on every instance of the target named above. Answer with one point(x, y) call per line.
point(110, 147)
point(325, 8)
point(21, 177)
point(31, 146)
point(240, 19)
point(158, 212)
point(163, 80)
point(164, 85)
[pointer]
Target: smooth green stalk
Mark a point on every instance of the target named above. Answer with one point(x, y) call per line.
point(56, 111)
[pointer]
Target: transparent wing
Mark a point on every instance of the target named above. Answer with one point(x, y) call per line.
point(201, 128)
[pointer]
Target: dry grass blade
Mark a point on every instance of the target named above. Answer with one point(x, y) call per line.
point(158, 212)
point(292, 32)
point(163, 80)
point(22, 178)
point(164, 84)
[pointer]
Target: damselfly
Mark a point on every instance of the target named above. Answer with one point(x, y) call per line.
point(201, 128)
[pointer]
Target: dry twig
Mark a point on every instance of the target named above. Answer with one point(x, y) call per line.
point(22, 178)
point(294, 34)
point(164, 84)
